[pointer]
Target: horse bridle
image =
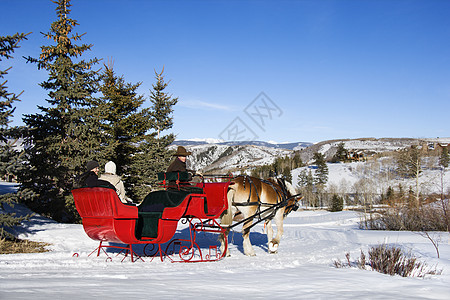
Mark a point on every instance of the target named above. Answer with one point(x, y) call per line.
point(291, 207)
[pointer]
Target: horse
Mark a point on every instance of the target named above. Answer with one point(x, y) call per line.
point(250, 198)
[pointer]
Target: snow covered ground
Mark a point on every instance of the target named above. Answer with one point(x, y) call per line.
point(302, 269)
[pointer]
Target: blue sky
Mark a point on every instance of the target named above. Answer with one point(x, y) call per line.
point(266, 70)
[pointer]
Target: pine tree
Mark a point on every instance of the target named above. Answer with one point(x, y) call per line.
point(153, 155)
point(409, 163)
point(341, 153)
point(126, 124)
point(284, 166)
point(444, 159)
point(337, 203)
point(264, 171)
point(287, 173)
point(66, 134)
point(321, 174)
point(8, 44)
point(9, 157)
point(9, 136)
point(306, 183)
point(162, 105)
point(390, 195)
point(297, 161)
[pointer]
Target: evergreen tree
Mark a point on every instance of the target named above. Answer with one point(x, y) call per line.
point(306, 183)
point(297, 161)
point(284, 166)
point(321, 174)
point(341, 153)
point(401, 192)
point(8, 44)
point(337, 203)
point(66, 134)
point(409, 163)
point(390, 195)
point(9, 136)
point(303, 179)
point(444, 159)
point(162, 105)
point(125, 122)
point(287, 173)
point(9, 157)
point(264, 171)
point(153, 155)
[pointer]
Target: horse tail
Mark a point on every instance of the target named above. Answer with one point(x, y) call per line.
point(227, 216)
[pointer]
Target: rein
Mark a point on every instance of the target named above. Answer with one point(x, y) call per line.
point(274, 208)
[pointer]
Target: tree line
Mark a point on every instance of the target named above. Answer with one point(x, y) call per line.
point(282, 166)
point(92, 113)
point(407, 163)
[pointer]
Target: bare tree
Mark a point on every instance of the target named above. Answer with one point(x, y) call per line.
point(409, 165)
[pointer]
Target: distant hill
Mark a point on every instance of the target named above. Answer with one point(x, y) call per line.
point(288, 146)
point(368, 146)
point(212, 156)
point(221, 157)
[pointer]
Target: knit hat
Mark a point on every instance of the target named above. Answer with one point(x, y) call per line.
point(92, 164)
point(110, 167)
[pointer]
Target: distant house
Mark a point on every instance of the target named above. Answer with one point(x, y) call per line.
point(355, 155)
point(441, 146)
point(434, 146)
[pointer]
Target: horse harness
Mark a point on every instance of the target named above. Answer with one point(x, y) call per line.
point(271, 209)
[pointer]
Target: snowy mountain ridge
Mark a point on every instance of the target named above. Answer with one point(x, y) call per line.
point(220, 158)
point(210, 155)
point(287, 146)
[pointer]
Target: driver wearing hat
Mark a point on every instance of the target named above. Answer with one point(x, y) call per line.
point(179, 163)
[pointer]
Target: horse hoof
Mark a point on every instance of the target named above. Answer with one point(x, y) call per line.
point(273, 248)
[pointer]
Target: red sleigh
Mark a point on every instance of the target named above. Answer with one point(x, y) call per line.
point(155, 220)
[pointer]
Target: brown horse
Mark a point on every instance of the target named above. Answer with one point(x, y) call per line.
point(250, 198)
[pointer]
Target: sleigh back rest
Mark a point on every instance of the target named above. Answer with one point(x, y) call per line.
point(216, 195)
point(173, 180)
point(182, 176)
point(99, 202)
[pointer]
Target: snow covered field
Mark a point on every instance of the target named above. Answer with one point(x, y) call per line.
point(302, 269)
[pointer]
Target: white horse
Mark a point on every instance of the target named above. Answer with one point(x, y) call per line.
point(250, 198)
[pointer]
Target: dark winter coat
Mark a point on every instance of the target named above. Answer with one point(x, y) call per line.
point(177, 166)
point(90, 179)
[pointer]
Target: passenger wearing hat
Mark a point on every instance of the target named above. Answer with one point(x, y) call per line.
point(111, 176)
point(90, 177)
